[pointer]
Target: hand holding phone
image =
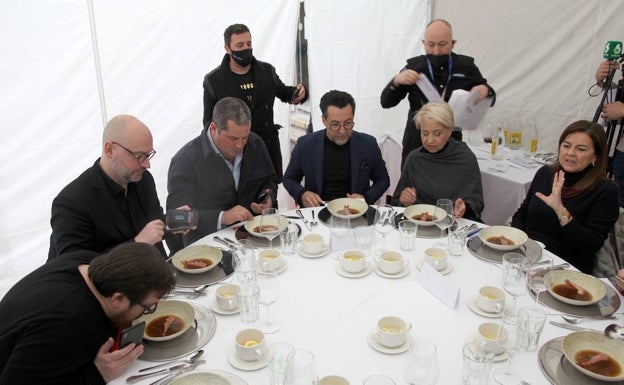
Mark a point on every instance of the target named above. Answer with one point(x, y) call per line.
point(131, 334)
point(263, 196)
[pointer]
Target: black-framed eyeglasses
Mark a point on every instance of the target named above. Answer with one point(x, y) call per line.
point(139, 156)
point(149, 309)
point(347, 125)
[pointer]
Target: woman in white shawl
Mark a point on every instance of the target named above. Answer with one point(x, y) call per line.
point(441, 168)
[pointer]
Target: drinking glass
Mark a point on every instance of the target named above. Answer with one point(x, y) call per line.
point(339, 226)
point(513, 277)
point(506, 376)
point(445, 214)
point(421, 367)
point(384, 222)
point(244, 261)
point(364, 238)
point(269, 294)
point(281, 360)
point(270, 224)
point(535, 276)
point(304, 368)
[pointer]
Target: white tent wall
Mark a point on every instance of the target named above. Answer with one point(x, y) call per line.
point(540, 56)
point(153, 55)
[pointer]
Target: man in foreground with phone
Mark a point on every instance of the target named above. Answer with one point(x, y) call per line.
point(336, 162)
point(60, 322)
point(222, 172)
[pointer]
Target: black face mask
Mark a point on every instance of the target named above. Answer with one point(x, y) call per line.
point(438, 61)
point(242, 57)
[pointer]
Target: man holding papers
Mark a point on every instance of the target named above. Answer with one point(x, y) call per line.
point(445, 71)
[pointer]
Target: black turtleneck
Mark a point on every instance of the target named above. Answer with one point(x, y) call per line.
point(336, 180)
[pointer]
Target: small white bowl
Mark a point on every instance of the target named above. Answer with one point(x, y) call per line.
point(181, 310)
point(578, 341)
point(418, 210)
point(200, 252)
point(356, 207)
point(587, 282)
point(517, 236)
point(253, 225)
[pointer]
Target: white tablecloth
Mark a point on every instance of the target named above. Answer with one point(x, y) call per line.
point(332, 316)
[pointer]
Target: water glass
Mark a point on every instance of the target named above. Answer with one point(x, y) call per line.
point(364, 238)
point(478, 359)
point(244, 262)
point(281, 363)
point(456, 242)
point(531, 321)
point(421, 367)
point(304, 368)
point(407, 235)
point(288, 239)
point(248, 303)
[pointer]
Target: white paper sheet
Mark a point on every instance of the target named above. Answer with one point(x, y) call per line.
point(468, 116)
point(440, 286)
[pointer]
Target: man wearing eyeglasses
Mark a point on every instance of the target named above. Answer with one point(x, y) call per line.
point(447, 72)
point(336, 162)
point(115, 200)
point(60, 324)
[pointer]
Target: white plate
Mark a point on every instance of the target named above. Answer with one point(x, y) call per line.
point(445, 271)
point(337, 205)
point(255, 222)
point(497, 357)
point(420, 208)
point(195, 252)
point(346, 274)
point(280, 269)
point(372, 341)
point(215, 308)
point(400, 274)
point(588, 282)
point(208, 377)
point(324, 252)
point(472, 305)
point(247, 365)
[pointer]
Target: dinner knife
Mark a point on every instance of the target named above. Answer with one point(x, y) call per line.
point(572, 327)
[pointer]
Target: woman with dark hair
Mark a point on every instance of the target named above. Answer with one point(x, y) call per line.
point(572, 205)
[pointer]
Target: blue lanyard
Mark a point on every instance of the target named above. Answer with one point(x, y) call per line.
point(450, 69)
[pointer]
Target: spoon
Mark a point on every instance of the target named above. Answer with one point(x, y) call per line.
point(190, 360)
point(578, 320)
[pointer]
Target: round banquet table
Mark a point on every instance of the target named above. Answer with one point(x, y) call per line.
point(332, 316)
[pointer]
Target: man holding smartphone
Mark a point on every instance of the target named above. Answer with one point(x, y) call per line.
point(223, 172)
point(60, 322)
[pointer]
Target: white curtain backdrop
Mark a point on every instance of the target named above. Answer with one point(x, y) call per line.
point(67, 66)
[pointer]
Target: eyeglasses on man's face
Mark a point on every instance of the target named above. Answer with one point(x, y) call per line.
point(139, 156)
point(149, 309)
point(347, 125)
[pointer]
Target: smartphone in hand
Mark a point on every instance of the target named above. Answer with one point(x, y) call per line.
point(131, 334)
point(263, 196)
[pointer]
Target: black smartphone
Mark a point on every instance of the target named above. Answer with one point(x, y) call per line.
point(177, 220)
point(133, 333)
point(262, 197)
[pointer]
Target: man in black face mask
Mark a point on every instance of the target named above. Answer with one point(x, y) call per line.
point(446, 70)
point(241, 76)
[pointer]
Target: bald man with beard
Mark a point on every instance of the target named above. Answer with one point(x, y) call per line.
point(115, 200)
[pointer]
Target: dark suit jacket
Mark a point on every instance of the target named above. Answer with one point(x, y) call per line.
point(85, 215)
point(199, 177)
point(367, 165)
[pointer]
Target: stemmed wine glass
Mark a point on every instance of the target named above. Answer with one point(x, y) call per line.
point(384, 222)
point(269, 294)
point(513, 277)
point(506, 376)
point(445, 215)
point(270, 224)
point(535, 276)
point(421, 366)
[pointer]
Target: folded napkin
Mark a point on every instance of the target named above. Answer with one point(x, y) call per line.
point(521, 162)
point(497, 167)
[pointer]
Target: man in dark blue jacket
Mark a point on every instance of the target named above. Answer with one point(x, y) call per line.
point(336, 162)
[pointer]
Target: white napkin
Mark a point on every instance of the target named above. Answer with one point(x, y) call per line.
point(497, 167)
point(440, 286)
